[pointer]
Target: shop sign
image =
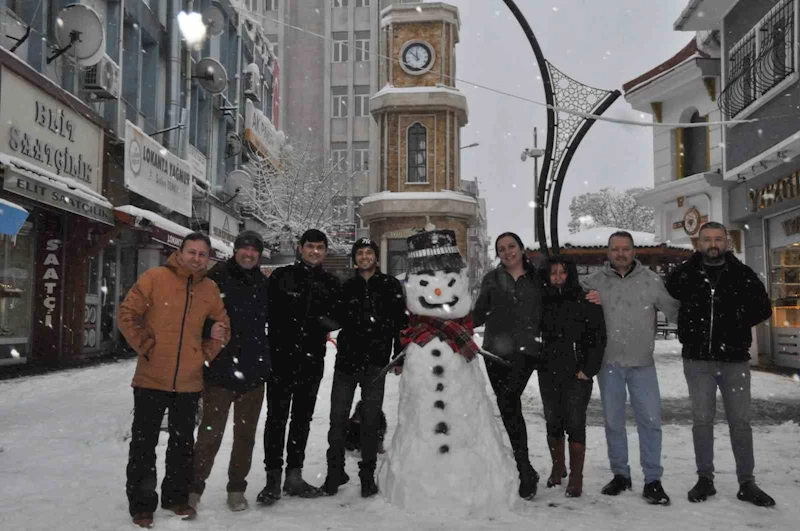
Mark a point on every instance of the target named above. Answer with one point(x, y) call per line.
point(155, 173)
point(222, 225)
point(777, 192)
point(791, 226)
point(259, 131)
point(198, 163)
point(49, 288)
point(55, 197)
point(40, 130)
point(174, 240)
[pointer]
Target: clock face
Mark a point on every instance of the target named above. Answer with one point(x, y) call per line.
point(417, 57)
point(691, 221)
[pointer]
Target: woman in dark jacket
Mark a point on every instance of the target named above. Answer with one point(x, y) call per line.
point(510, 305)
point(574, 338)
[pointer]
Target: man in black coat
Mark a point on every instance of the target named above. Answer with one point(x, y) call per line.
point(238, 374)
point(721, 301)
point(374, 313)
point(304, 306)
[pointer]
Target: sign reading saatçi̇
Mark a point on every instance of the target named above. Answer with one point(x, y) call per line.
point(40, 130)
point(155, 173)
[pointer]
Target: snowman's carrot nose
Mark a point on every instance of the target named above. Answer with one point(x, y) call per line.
point(437, 292)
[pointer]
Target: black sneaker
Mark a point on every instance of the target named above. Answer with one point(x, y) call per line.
point(702, 490)
point(749, 492)
point(617, 485)
point(654, 494)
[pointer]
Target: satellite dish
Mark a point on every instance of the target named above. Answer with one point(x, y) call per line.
point(238, 181)
point(233, 143)
point(80, 30)
point(214, 20)
point(211, 75)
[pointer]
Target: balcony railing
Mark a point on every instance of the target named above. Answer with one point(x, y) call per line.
point(760, 60)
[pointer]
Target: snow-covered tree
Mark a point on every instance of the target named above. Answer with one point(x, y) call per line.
point(609, 208)
point(300, 191)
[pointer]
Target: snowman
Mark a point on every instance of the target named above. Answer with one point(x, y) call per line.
point(447, 455)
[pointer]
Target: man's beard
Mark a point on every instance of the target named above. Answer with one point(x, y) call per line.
point(711, 259)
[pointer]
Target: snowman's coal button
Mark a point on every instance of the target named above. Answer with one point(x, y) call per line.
point(439, 404)
point(436, 352)
point(443, 449)
point(441, 428)
point(438, 370)
point(440, 387)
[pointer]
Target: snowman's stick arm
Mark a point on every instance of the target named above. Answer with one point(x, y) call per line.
point(494, 358)
point(388, 367)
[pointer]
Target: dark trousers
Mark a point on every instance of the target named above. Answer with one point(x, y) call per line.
point(564, 400)
point(508, 384)
point(149, 407)
point(290, 389)
point(217, 403)
point(344, 387)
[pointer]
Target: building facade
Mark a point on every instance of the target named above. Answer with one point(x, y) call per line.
point(117, 160)
point(754, 187)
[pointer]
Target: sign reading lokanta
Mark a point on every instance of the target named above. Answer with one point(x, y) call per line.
point(222, 225)
point(259, 131)
point(39, 129)
point(155, 173)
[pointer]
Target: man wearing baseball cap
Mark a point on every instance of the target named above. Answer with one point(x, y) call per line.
point(374, 313)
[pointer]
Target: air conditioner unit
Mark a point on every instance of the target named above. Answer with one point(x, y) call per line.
point(252, 82)
point(103, 79)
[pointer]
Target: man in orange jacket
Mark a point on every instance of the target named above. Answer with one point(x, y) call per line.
point(162, 319)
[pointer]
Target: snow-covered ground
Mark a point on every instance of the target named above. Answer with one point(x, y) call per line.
point(64, 444)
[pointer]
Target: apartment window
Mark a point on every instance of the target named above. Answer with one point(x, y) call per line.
point(362, 50)
point(339, 109)
point(362, 105)
point(339, 3)
point(339, 159)
point(361, 159)
point(362, 3)
point(417, 154)
point(271, 5)
point(761, 60)
point(340, 51)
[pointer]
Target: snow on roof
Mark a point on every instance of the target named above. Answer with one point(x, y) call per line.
point(9, 204)
point(598, 237)
point(171, 226)
point(65, 184)
point(689, 52)
point(391, 89)
point(412, 196)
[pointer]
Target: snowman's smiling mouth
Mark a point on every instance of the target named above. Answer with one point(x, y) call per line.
point(427, 305)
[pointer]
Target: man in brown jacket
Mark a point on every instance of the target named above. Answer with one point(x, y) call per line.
point(162, 319)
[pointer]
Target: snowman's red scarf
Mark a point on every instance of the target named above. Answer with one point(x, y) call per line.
point(457, 333)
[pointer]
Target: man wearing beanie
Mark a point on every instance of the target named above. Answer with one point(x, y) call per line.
point(374, 313)
point(236, 377)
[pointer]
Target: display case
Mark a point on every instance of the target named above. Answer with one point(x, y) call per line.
point(785, 294)
point(16, 267)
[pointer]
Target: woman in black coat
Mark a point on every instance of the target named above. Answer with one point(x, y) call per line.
point(574, 338)
point(510, 307)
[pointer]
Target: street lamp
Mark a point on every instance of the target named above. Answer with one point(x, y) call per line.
point(474, 144)
point(534, 153)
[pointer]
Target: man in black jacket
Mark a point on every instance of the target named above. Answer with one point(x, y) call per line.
point(721, 301)
point(304, 304)
point(374, 313)
point(237, 375)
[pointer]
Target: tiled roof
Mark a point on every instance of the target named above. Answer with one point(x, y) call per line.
point(687, 52)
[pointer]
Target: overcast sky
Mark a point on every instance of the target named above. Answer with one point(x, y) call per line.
point(602, 43)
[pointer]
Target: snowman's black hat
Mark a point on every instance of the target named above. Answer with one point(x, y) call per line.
point(434, 250)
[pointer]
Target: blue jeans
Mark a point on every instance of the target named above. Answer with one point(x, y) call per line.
point(642, 383)
point(733, 380)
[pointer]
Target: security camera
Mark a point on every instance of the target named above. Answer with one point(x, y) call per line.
point(524, 156)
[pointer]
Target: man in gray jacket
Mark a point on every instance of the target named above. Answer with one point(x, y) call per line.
point(631, 295)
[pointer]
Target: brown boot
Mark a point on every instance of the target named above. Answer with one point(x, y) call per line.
point(557, 455)
point(577, 453)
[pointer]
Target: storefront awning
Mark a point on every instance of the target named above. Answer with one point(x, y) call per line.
point(63, 193)
point(166, 231)
point(12, 216)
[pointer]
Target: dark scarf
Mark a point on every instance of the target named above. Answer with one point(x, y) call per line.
point(457, 333)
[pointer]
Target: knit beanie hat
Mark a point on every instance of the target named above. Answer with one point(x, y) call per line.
point(364, 242)
point(249, 238)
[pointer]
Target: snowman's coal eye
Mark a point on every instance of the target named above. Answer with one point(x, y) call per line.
point(423, 283)
point(450, 284)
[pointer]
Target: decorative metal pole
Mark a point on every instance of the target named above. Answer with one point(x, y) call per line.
point(565, 131)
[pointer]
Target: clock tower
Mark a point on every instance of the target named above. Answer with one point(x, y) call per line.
point(419, 115)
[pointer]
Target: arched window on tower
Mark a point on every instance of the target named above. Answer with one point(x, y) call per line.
point(417, 154)
point(693, 147)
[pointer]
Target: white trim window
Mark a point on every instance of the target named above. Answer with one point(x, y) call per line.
point(339, 108)
point(417, 147)
point(361, 159)
point(339, 159)
point(362, 105)
point(762, 63)
point(362, 3)
point(271, 5)
point(362, 50)
point(340, 51)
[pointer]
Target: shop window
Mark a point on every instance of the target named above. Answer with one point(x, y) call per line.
point(396, 256)
point(16, 267)
point(108, 285)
